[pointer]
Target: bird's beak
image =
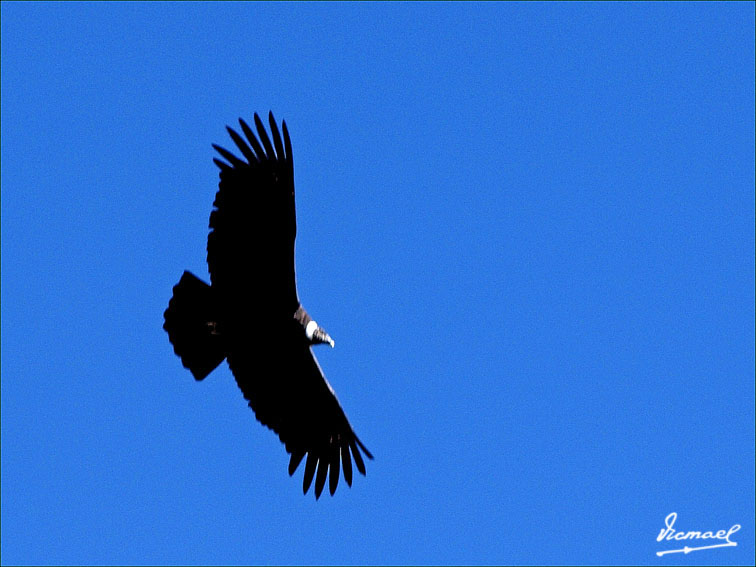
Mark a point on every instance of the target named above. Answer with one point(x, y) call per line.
point(320, 336)
point(327, 339)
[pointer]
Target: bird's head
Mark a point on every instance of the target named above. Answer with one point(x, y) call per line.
point(317, 334)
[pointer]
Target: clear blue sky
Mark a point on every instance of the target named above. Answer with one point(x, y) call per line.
point(528, 227)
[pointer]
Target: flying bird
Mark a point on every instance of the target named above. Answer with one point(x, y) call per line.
point(250, 314)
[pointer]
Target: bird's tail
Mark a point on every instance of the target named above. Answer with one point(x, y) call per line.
point(191, 324)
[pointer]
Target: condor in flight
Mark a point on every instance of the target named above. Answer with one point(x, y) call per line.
point(251, 316)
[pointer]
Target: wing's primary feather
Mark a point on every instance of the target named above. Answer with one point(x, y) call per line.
point(264, 137)
point(242, 145)
point(252, 139)
point(276, 138)
point(231, 158)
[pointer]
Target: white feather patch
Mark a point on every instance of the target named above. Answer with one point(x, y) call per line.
point(310, 329)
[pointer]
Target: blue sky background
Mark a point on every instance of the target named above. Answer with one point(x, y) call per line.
point(528, 227)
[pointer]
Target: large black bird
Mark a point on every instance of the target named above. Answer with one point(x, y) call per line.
point(251, 316)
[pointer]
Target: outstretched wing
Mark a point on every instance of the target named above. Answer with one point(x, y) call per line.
point(253, 224)
point(294, 399)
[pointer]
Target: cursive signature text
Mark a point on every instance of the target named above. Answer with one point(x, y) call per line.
point(668, 533)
